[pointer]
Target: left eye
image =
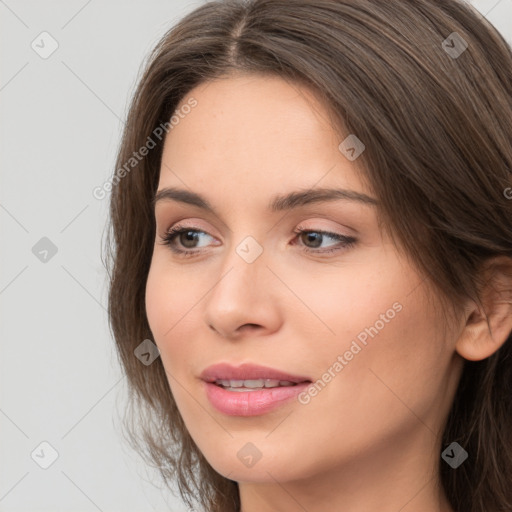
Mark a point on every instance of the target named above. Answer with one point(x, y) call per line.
point(189, 236)
point(317, 236)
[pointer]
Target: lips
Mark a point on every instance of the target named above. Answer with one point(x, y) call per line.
point(248, 372)
point(250, 390)
point(248, 385)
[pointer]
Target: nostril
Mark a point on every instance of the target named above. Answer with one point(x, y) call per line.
point(249, 326)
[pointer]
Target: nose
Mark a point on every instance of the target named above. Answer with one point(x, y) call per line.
point(244, 299)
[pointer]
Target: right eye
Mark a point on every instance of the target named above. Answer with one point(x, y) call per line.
point(188, 241)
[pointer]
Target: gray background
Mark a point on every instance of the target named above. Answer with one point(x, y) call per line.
point(61, 119)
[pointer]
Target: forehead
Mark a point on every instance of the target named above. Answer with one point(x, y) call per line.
point(239, 96)
point(249, 134)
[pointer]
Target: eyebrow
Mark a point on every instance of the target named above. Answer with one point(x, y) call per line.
point(278, 203)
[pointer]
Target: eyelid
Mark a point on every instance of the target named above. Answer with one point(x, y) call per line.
point(190, 223)
point(338, 231)
point(177, 225)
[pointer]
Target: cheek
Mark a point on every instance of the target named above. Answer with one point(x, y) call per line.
point(170, 300)
point(392, 366)
point(380, 343)
point(346, 302)
point(410, 358)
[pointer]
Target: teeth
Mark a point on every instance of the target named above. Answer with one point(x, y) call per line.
point(235, 385)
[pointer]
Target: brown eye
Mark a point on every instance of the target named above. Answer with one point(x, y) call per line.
point(188, 238)
point(185, 237)
point(312, 239)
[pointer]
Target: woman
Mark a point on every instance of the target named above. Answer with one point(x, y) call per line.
point(312, 223)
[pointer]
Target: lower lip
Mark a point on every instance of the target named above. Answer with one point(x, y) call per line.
point(251, 403)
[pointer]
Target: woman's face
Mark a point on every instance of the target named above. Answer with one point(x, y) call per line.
point(349, 316)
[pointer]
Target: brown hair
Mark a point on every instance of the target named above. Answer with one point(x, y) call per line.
point(438, 133)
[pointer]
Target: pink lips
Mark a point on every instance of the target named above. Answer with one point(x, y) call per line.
point(249, 403)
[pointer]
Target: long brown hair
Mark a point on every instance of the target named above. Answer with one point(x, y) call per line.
point(436, 119)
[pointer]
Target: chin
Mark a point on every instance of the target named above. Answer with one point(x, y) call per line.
point(242, 461)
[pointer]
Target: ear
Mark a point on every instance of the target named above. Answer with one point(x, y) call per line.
point(479, 339)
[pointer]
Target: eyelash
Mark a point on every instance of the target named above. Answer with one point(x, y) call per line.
point(168, 239)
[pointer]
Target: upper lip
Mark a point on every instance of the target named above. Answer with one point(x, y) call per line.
point(247, 371)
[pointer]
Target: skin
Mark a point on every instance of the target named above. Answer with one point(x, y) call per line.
point(370, 439)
